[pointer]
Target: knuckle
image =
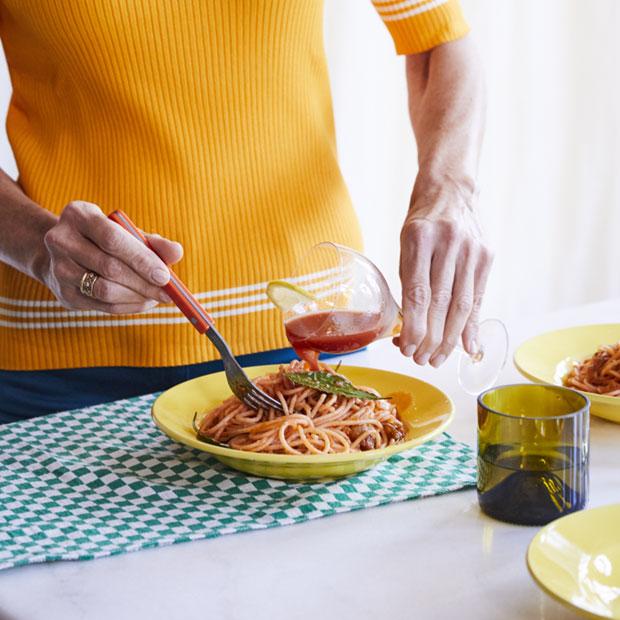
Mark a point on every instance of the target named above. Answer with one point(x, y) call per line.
point(440, 298)
point(469, 248)
point(452, 232)
point(110, 268)
point(141, 264)
point(486, 254)
point(477, 302)
point(62, 271)
point(417, 228)
point(104, 291)
point(111, 241)
point(72, 209)
point(464, 305)
point(447, 345)
point(78, 209)
point(52, 238)
point(81, 212)
point(418, 295)
point(472, 326)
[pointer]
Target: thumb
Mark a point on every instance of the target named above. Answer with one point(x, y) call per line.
point(170, 252)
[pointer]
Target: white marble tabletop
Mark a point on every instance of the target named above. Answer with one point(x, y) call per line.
point(430, 558)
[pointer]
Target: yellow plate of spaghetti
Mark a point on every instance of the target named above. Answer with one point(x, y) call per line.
point(424, 410)
point(576, 560)
point(550, 357)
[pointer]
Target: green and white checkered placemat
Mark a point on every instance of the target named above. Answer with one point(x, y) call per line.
point(103, 480)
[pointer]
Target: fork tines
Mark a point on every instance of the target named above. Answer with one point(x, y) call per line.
point(259, 400)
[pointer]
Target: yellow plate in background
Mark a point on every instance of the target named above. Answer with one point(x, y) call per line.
point(548, 357)
point(576, 559)
point(425, 409)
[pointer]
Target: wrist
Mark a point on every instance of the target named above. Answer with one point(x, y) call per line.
point(39, 264)
point(443, 193)
point(23, 230)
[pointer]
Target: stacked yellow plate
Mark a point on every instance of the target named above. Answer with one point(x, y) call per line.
point(576, 560)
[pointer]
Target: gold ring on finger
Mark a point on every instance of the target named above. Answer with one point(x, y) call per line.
point(87, 284)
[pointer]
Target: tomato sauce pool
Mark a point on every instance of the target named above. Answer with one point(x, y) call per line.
point(332, 331)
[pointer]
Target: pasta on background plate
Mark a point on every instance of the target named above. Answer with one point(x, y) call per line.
point(598, 374)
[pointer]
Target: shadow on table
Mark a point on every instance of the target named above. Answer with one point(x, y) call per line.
point(6, 616)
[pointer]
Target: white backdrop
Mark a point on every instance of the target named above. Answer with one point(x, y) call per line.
point(550, 199)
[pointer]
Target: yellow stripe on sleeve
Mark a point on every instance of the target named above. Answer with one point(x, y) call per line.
point(419, 25)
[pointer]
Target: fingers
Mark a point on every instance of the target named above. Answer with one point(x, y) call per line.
point(90, 221)
point(86, 254)
point(461, 304)
point(442, 279)
point(470, 332)
point(415, 263)
point(444, 268)
point(107, 296)
point(117, 308)
point(170, 252)
point(130, 274)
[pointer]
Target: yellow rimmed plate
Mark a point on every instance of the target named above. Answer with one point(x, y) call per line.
point(548, 357)
point(425, 409)
point(576, 560)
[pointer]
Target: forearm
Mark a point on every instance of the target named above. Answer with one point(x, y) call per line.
point(23, 229)
point(447, 109)
point(444, 259)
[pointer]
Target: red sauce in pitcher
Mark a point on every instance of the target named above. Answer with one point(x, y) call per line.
point(332, 331)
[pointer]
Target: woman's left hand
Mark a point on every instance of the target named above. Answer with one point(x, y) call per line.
point(444, 267)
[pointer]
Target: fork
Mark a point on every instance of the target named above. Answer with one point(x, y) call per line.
point(238, 381)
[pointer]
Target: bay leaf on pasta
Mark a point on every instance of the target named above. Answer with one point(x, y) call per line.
point(330, 383)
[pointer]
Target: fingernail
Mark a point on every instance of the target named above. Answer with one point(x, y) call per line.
point(409, 350)
point(473, 346)
point(160, 276)
point(423, 359)
point(438, 360)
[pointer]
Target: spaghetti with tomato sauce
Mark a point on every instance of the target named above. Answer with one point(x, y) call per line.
point(598, 374)
point(313, 422)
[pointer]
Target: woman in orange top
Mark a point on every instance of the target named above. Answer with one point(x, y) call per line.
point(210, 122)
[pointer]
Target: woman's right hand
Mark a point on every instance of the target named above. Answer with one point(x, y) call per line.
point(130, 275)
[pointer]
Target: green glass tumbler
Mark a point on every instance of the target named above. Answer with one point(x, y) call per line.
point(533, 444)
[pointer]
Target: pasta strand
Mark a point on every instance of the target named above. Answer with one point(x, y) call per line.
point(313, 422)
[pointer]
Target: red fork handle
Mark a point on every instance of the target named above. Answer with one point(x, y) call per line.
point(177, 291)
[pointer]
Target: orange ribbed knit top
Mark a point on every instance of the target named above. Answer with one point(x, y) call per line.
point(208, 121)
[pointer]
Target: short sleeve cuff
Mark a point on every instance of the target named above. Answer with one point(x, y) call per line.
point(419, 25)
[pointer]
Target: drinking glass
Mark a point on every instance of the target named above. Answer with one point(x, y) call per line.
point(349, 305)
point(532, 452)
